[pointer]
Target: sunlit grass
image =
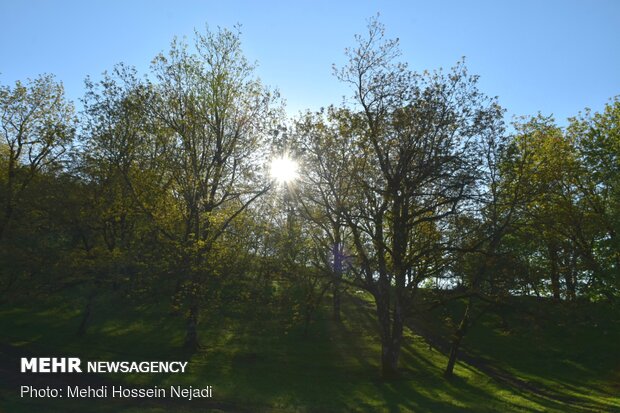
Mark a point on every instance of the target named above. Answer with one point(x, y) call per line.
point(253, 361)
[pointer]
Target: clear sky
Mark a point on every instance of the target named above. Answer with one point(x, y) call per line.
point(556, 57)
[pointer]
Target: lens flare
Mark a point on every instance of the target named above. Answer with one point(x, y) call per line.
point(284, 170)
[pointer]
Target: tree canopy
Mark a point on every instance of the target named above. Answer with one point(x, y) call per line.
point(160, 186)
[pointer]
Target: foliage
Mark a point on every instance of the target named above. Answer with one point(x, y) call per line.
point(412, 194)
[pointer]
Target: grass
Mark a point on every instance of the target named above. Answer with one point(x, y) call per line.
point(257, 363)
point(570, 348)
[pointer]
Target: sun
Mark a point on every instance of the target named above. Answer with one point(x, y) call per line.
point(284, 170)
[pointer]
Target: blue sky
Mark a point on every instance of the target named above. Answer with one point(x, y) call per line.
point(556, 57)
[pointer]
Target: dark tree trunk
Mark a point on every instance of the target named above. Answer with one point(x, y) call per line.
point(337, 280)
point(8, 207)
point(389, 360)
point(554, 272)
point(8, 212)
point(307, 320)
point(570, 286)
point(391, 330)
point(5, 222)
point(456, 343)
point(86, 315)
point(336, 302)
point(569, 277)
point(191, 330)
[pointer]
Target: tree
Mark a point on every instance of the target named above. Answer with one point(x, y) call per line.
point(549, 165)
point(212, 116)
point(482, 259)
point(118, 160)
point(181, 149)
point(416, 135)
point(561, 231)
point(329, 153)
point(597, 139)
point(37, 127)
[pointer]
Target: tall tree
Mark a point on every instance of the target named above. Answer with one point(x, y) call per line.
point(597, 137)
point(187, 142)
point(214, 116)
point(329, 154)
point(416, 135)
point(37, 126)
point(482, 259)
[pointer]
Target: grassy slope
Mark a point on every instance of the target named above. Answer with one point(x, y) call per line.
point(257, 364)
point(573, 350)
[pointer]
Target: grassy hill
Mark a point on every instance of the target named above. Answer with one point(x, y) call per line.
point(535, 356)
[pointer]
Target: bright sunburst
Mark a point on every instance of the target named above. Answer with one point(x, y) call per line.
point(284, 169)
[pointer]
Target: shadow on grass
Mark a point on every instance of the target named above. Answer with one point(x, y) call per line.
point(256, 364)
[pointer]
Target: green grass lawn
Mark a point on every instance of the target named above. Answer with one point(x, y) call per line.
point(571, 349)
point(258, 363)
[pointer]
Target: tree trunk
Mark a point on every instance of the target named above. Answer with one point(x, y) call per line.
point(554, 272)
point(389, 360)
point(8, 207)
point(337, 278)
point(4, 223)
point(307, 320)
point(191, 330)
point(86, 315)
point(456, 343)
point(569, 277)
point(8, 212)
point(391, 336)
point(336, 302)
point(570, 286)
